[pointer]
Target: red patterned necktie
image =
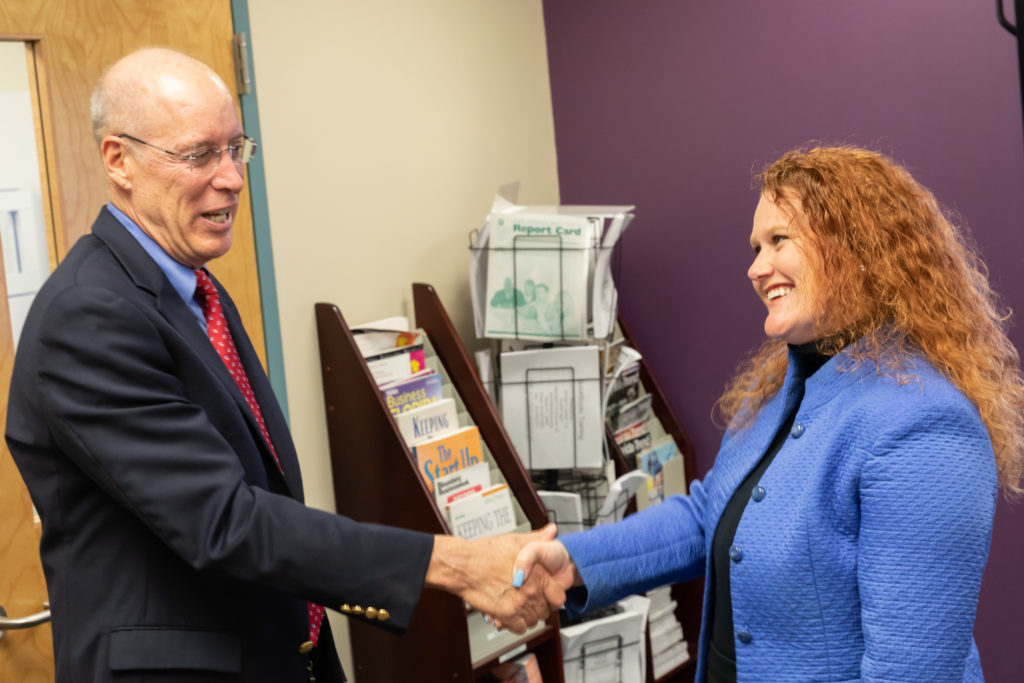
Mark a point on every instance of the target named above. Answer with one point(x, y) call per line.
point(220, 337)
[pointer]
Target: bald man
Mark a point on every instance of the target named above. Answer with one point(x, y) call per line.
point(175, 543)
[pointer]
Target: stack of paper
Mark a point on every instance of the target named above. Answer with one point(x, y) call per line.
point(551, 406)
point(392, 352)
point(605, 650)
point(565, 509)
point(485, 641)
point(668, 647)
point(537, 271)
point(485, 513)
point(543, 272)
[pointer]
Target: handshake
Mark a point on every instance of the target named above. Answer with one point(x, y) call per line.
point(516, 580)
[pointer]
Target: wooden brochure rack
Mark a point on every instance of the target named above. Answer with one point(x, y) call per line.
point(376, 480)
point(689, 595)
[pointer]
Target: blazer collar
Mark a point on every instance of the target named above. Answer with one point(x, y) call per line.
point(744, 448)
point(147, 276)
point(137, 263)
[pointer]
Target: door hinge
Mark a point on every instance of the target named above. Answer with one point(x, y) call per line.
point(243, 74)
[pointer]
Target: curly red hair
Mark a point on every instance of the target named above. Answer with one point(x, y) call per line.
point(908, 283)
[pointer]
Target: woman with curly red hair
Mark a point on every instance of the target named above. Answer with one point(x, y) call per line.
point(845, 525)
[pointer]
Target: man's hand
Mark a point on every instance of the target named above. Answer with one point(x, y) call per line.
point(481, 573)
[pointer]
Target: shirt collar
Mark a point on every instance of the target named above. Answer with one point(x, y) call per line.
point(182, 277)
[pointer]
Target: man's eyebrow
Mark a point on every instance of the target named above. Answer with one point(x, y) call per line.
point(208, 144)
point(196, 146)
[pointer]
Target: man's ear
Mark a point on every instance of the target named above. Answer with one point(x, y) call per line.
point(116, 161)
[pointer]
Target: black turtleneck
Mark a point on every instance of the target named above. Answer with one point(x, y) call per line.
point(721, 664)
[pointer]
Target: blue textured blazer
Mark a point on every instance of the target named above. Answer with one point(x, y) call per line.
point(863, 544)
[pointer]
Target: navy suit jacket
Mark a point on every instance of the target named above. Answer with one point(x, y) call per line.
point(174, 549)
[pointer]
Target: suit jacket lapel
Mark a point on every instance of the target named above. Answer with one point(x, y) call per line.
point(273, 417)
point(147, 276)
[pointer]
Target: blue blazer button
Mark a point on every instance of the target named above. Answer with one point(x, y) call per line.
point(757, 494)
point(797, 431)
point(743, 635)
point(735, 553)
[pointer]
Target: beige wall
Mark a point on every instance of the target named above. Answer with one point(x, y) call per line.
point(387, 125)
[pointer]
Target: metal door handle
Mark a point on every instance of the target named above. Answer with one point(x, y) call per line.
point(31, 620)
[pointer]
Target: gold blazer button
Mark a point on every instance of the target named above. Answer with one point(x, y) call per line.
point(306, 647)
point(371, 612)
point(345, 608)
point(357, 610)
point(383, 615)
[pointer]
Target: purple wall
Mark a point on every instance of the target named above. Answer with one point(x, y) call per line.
point(671, 105)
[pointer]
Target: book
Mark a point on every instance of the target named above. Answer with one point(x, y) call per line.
point(373, 341)
point(625, 389)
point(531, 667)
point(538, 268)
point(524, 669)
point(396, 364)
point(652, 462)
point(391, 351)
point(422, 422)
point(551, 406)
point(415, 391)
point(637, 410)
point(611, 354)
point(447, 453)
point(487, 513)
point(673, 468)
point(395, 323)
point(649, 464)
point(633, 439)
point(460, 483)
point(664, 448)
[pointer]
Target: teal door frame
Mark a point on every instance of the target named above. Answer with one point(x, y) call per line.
point(261, 222)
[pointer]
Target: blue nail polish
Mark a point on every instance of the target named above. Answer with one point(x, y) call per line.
point(517, 579)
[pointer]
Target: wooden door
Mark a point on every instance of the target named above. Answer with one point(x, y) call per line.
point(69, 43)
point(74, 41)
point(25, 655)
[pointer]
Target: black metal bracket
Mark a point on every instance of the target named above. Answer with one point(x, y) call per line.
point(1002, 18)
point(1019, 12)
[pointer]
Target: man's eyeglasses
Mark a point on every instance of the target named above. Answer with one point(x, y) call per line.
point(240, 152)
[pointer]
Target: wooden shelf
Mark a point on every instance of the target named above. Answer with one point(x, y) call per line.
point(376, 480)
point(688, 596)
